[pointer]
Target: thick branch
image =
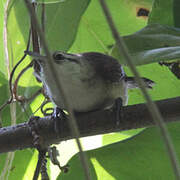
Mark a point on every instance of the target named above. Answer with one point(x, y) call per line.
point(92, 123)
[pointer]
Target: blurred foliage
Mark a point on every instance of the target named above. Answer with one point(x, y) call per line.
point(79, 26)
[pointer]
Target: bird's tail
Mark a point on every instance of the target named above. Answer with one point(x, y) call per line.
point(133, 84)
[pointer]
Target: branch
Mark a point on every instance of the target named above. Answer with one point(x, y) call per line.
point(92, 123)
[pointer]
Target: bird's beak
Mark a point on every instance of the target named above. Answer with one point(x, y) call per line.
point(35, 55)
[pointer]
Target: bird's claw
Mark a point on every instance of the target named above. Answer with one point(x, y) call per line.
point(58, 116)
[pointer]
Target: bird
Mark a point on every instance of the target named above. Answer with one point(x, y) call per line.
point(91, 80)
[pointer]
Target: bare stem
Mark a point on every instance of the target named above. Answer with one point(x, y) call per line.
point(15, 87)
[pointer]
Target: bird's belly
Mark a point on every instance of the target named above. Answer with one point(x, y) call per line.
point(87, 100)
point(83, 97)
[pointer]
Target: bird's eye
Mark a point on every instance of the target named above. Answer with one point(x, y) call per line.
point(58, 56)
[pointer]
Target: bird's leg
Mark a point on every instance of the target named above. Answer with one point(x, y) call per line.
point(58, 117)
point(118, 110)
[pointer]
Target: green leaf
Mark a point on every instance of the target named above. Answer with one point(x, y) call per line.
point(94, 33)
point(116, 137)
point(19, 164)
point(2, 58)
point(3, 79)
point(165, 12)
point(62, 20)
point(176, 6)
point(141, 157)
point(162, 12)
point(48, 1)
point(154, 43)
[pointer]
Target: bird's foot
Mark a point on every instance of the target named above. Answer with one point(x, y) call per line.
point(58, 117)
point(118, 110)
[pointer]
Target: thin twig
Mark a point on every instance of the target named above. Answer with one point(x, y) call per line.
point(72, 121)
point(20, 99)
point(151, 105)
point(15, 67)
point(15, 87)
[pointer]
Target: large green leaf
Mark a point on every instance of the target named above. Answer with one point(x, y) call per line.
point(93, 32)
point(165, 12)
point(154, 43)
point(140, 157)
point(19, 165)
point(162, 12)
point(48, 1)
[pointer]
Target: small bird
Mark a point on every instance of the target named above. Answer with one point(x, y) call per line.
point(92, 81)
